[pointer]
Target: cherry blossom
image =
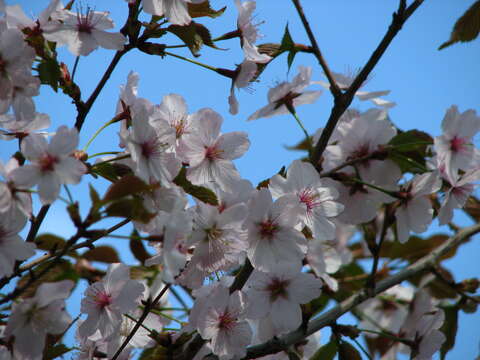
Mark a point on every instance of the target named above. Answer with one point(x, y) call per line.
point(20, 128)
point(275, 298)
point(83, 33)
point(316, 199)
point(148, 142)
point(245, 72)
point(288, 93)
point(16, 17)
point(271, 231)
point(12, 247)
point(415, 209)
point(457, 194)
point(248, 32)
point(210, 153)
point(51, 163)
point(176, 11)
point(345, 80)
point(11, 196)
point(454, 148)
point(224, 325)
point(33, 318)
point(106, 301)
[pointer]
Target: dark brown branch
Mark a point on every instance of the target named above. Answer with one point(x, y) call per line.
point(335, 90)
point(343, 102)
point(149, 306)
point(425, 263)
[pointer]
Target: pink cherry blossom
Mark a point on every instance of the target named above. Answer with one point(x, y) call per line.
point(223, 324)
point(12, 247)
point(316, 199)
point(288, 93)
point(415, 210)
point(83, 33)
point(106, 301)
point(176, 11)
point(33, 318)
point(210, 153)
point(51, 163)
point(455, 148)
point(11, 196)
point(271, 231)
point(275, 298)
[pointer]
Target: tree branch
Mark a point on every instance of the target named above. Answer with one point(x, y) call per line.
point(343, 102)
point(334, 89)
point(278, 344)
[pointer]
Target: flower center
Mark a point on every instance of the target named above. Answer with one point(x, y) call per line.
point(226, 321)
point(268, 229)
point(212, 153)
point(102, 299)
point(151, 148)
point(457, 143)
point(309, 198)
point(47, 162)
point(278, 288)
point(84, 22)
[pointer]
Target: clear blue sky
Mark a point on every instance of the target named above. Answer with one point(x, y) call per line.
point(424, 83)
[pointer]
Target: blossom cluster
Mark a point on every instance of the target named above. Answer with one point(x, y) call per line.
point(293, 230)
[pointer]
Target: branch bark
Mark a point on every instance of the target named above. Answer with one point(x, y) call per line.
point(427, 262)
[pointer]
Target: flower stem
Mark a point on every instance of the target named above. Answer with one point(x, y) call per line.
point(98, 132)
point(191, 61)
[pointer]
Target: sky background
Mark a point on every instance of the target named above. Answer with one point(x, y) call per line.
point(424, 82)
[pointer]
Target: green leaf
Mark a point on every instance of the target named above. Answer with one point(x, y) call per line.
point(288, 45)
point(51, 242)
point(466, 28)
point(193, 35)
point(102, 253)
point(49, 73)
point(56, 351)
point(408, 150)
point(449, 329)
point(138, 248)
point(201, 193)
point(347, 351)
point(110, 171)
point(62, 270)
point(326, 352)
point(204, 9)
point(130, 208)
point(125, 186)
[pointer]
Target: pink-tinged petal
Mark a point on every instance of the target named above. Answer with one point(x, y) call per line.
point(26, 176)
point(117, 276)
point(176, 12)
point(233, 102)
point(450, 123)
point(130, 296)
point(70, 170)
point(286, 316)
point(100, 20)
point(430, 345)
point(154, 7)
point(268, 111)
point(34, 146)
point(425, 184)
point(368, 95)
point(445, 214)
point(252, 54)
point(307, 97)
point(403, 227)
point(208, 125)
point(304, 288)
point(322, 228)
point(111, 41)
point(49, 292)
point(5, 197)
point(88, 326)
point(470, 124)
point(82, 44)
point(233, 144)
point(61, 36)
point(420, 214)
point(48, 187)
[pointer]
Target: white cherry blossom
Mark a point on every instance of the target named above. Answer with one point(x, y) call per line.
point(33, 318)
point(51, 163)
point(176, 11)
point(106, 301)
point(288, 93)
point(83, 32)
point(210, 153)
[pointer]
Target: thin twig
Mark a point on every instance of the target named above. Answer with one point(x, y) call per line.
point(283, 342)
point(37, 221)
point(335, 90)
point(343, 102)
point(377, 249)
point(140, 321)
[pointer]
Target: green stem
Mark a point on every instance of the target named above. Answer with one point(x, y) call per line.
point(192, 61)
point(98, 132)
point(362, 348)
point(388, 336)
point(299, 122)
point(114, 159)
point(69, 194)
point(385, 191)
point(104, 153)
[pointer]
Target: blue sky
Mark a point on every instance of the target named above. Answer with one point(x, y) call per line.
point(424, 83)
